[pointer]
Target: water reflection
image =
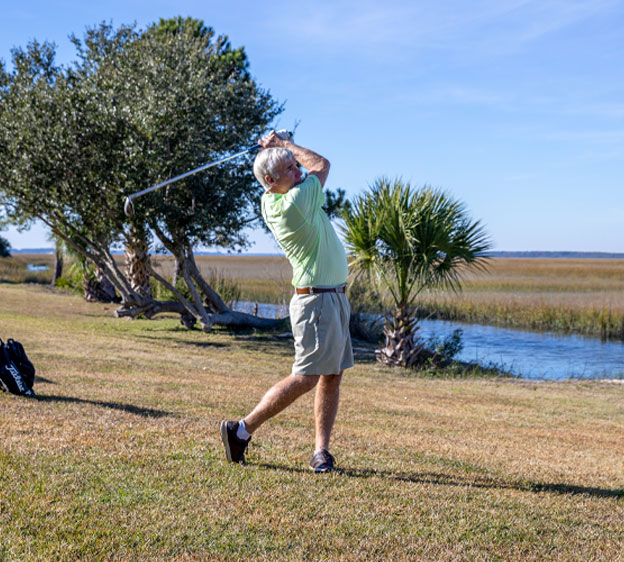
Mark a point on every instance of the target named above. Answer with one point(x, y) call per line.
point(528, 355)
point(35, 267)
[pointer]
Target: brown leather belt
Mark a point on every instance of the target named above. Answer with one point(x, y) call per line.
point(315, 290)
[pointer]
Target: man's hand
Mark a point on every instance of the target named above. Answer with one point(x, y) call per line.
point(273, 140)
point(311, 161)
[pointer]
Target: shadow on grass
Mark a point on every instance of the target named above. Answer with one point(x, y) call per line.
point(452, 480)
point(145, 412)
point(364, 353)
point(44, 380)
point(182, 341)
point(264, 343)
point(571, 489)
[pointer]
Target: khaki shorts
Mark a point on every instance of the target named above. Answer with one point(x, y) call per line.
point(320, 325)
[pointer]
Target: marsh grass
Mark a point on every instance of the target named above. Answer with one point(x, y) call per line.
point(557, 315)
point(14, 269)
point(120, 459)
point(563, 295)
point(581, 296)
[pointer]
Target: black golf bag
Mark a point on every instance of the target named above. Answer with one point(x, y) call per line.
point(17, 373)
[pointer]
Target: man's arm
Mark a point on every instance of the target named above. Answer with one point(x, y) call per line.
point(311, 161)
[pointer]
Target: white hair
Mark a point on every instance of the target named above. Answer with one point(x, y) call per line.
point(268, 161)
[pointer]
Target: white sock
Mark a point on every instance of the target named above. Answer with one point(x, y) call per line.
point(242, 432)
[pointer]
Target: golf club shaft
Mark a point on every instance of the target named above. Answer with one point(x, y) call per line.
point(190, 173)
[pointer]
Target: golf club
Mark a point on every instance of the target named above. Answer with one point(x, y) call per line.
point(128, 205)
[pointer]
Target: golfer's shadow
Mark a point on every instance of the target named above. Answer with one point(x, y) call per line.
point(130, 408)
point(439, 479)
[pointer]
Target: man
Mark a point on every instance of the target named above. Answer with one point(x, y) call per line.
point(319, 309)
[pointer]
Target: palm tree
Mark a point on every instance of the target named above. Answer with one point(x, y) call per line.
point(408, 240)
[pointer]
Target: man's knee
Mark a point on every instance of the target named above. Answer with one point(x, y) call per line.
point(306, 382)
point(331, 381)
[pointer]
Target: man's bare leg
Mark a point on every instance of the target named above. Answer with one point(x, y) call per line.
point(278, 397)
point(326, 408)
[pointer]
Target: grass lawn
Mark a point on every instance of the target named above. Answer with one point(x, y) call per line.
point(120, 457)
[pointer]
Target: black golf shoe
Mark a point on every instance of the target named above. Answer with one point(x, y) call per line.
point(322, 462)
point(234, 447)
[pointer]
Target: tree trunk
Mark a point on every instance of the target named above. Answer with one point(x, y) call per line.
point(229, 319)
point(57, 272)
point(193, 311)
point(98, 288)
point(137, 265)
point(177, 271)
point(403, 346)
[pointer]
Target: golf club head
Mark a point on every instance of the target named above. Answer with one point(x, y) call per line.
point(128, 207)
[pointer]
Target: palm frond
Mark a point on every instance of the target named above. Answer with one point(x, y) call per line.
point(412, 239)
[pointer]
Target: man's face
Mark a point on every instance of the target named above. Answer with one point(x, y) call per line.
point(289, 176)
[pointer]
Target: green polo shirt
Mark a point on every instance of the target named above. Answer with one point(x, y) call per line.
point(304, 232)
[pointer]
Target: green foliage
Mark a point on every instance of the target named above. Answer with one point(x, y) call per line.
point(74, 274)
point(197, 103)
point(448, 347)
point(336, 203)
point(162, 293)
point(408, 240)
point(135, 108)
point(58, 152)
point(178, 25)
point(5, 248)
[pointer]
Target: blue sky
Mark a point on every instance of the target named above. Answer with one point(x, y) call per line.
point(515, 107)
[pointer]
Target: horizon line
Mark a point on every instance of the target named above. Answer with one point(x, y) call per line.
point(493, 253)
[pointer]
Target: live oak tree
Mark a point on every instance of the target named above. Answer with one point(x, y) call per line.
point(229, 112)
point(136, 108)
point(138, 266)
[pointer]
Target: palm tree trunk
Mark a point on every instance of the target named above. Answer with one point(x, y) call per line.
point(137, 266)
point(403, 345)
point(98, 288)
